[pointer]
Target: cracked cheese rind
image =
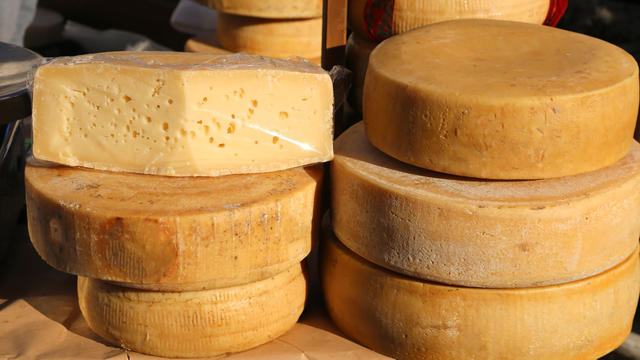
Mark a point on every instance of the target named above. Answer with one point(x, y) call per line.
point(271, 9)
point(413, 319)
point(482, 233)
point(182, 114)
point(196, 323)
point(501, 100)
point(274, 38)
point(411, 14)
point(357, 54)
point(172, 233)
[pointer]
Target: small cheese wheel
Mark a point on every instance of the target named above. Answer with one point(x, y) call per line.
point(172, 233)
point(357, 57)
point(207, 44)
point(404, 15)
point(412, 319)
point(501, 100)
point(272, 9)
point(273, 38)
point(482, 233)
point(194, 323)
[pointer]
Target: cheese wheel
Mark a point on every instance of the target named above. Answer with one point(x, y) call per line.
point(208, 44)
point(501, 100)
point(482, 233)
point(412, 319)
point(194, 323)
point(357, 58)
point(272, 9)
point(273, 38)
point(383, 19)
point(172, 233)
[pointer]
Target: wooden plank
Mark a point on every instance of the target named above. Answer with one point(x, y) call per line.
point(334, 32)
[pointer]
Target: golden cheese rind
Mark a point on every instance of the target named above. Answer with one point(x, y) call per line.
point(182, 114)
point(271, 9)
point(501, 100)
point(207, 44)
point(412, 319)
point(482, 233)
point(357, 58)
point(273, 38)
point(172, 233)
point(196, 323)
point(411, 14)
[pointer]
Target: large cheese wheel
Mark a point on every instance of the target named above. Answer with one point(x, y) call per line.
point(273, 38)
point(482, 233)
point(357, 58)
point(273, 9)
point(172, 233)
point(383, 18)
point(194, 323)
point(207, 44)
point(418, 320)
point(501, 100)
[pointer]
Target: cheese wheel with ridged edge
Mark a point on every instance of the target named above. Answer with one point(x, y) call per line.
point(172, 233)
point(273, 38)
point(357, 58)
point(481, 233)
point(501, 100)
point(411, 319)
point(194, 323)
point(411, 14)
point(271, 9)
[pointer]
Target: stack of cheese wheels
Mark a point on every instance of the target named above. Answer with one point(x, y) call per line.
point(274, 28)
point(183, 191)
point(533, 254)
point(372, 21)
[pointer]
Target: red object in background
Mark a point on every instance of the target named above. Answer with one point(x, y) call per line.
point(556, 10)
point(378, 19)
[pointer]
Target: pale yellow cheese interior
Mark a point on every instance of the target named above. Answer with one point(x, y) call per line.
point(196, 323)
point(182, 114)
point(172, 233)
point(482, 233)
point(501, 100)
point(419, 320)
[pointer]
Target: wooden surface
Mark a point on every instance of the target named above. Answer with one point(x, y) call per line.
point(334, 34)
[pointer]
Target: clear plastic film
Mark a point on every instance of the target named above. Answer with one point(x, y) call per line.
point(184, 114)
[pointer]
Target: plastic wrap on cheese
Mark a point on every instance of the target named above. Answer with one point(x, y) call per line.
point(182, 114)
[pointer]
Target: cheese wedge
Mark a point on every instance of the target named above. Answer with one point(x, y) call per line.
point(482, 233)
point(357, 58)
point(195, 323)
point(182, 114)
point(412, 319)
point(272, 9)
point(501, 100)
point(207, 44)
point(386, 18)
point(171, 233)
point(273, 38)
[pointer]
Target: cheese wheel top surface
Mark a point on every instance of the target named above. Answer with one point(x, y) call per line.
point(497, 59)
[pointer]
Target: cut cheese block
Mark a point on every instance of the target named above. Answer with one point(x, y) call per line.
point(482, 233)
point(412, 319)
point(195, 323)
point(172, 233)
point(501, 100)
point(378, 20)
point(207, 44)
point(274, 38)
point(182, 114)
point(357, 57)
point(273, 9)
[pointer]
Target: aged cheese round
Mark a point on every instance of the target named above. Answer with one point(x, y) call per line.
point(501, 100)
point(273, 38)
point(208, 44)
point(172, 233)
point(273, 9)
point(378, 20)
point(194, 323)
point(412, 319)
point(357, 58)
point(482, 233)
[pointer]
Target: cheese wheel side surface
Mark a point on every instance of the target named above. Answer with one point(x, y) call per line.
point(271, 9)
